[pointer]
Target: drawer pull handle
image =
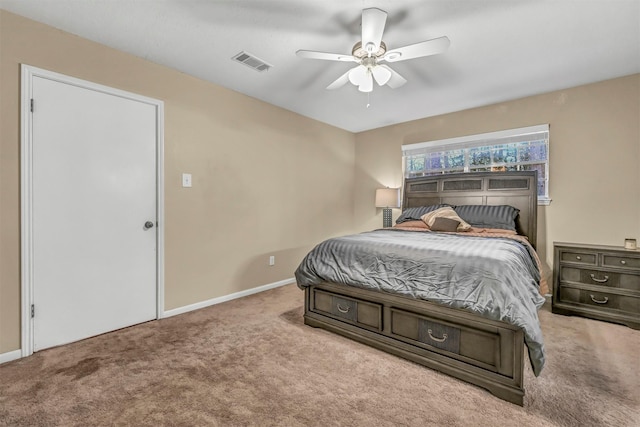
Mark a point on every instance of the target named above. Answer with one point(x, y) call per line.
point(343, 310)
point(593, 277)
point(578, 257)
point(623, 262)
point(599, 301)
point(436, 339)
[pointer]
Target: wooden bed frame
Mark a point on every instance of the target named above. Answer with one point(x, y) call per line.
point(484, 352)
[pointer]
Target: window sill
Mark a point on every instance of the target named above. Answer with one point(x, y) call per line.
point(544, 201)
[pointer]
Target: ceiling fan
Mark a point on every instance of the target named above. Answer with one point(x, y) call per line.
point(371, 52)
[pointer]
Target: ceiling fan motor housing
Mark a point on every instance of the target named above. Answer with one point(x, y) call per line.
point(360, 53)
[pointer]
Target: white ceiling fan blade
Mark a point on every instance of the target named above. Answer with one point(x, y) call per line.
point(381, 74)
point(340, 81)
point(311, 54)
point(373, 21)
point(367, 84)
point(396, 79)
point(426, 48)
point(358, 75)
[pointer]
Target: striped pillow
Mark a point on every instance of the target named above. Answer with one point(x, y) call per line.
point(487, 216)
point(415, 214)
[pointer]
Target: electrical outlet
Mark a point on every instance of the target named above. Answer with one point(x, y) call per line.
point(272, 260)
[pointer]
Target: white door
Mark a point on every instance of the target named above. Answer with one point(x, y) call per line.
point(94, 188)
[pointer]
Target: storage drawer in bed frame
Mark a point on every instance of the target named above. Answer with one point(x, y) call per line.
point(481, 351)
point(364, 314)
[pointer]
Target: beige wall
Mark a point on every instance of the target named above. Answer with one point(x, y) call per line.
point(594, 159)
point(265, 181)
point(270, 182)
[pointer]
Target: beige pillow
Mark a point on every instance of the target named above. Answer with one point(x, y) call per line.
point(446, 212)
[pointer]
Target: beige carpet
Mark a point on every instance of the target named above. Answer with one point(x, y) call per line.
point(252, 361)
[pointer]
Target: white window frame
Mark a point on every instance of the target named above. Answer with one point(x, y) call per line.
point(466, 143)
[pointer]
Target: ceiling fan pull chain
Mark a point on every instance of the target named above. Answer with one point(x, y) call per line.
point(368, 95)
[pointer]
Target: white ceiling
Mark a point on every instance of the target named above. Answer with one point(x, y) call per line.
point(500, 49)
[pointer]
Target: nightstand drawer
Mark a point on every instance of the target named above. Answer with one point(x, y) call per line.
point(588, 258)
point(600, 278)
point(619, 261)
point(602, 300)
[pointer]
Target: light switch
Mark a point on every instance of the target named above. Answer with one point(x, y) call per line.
point(186, 180)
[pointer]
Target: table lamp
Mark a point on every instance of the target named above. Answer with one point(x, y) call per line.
point(387, 198)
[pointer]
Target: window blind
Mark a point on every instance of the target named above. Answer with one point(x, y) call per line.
point(532, 133)
point(512, 149)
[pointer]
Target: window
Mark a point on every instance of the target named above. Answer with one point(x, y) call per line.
point(508, 150)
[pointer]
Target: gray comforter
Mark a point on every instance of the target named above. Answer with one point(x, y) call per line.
point(496, 278)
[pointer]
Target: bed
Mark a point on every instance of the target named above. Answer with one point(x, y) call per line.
point(464, 304)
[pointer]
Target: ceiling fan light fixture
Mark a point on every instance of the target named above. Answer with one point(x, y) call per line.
point(381, 74)
point(358, 75)
point(367, 84)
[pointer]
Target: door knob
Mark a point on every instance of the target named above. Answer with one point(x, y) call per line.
point(148, 225)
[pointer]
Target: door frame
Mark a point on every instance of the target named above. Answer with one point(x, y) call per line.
point(26, 190)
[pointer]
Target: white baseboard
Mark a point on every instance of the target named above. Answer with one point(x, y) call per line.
point(10, 355)
point(225, 298)
point(17, 354)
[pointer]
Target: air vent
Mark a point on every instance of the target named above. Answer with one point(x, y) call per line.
point(251, 61)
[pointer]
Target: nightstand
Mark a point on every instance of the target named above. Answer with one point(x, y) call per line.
point(599, 282)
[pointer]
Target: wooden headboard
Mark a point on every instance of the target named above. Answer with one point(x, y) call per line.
point(518, 189)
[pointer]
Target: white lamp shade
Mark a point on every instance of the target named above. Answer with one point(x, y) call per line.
point(388, 198)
